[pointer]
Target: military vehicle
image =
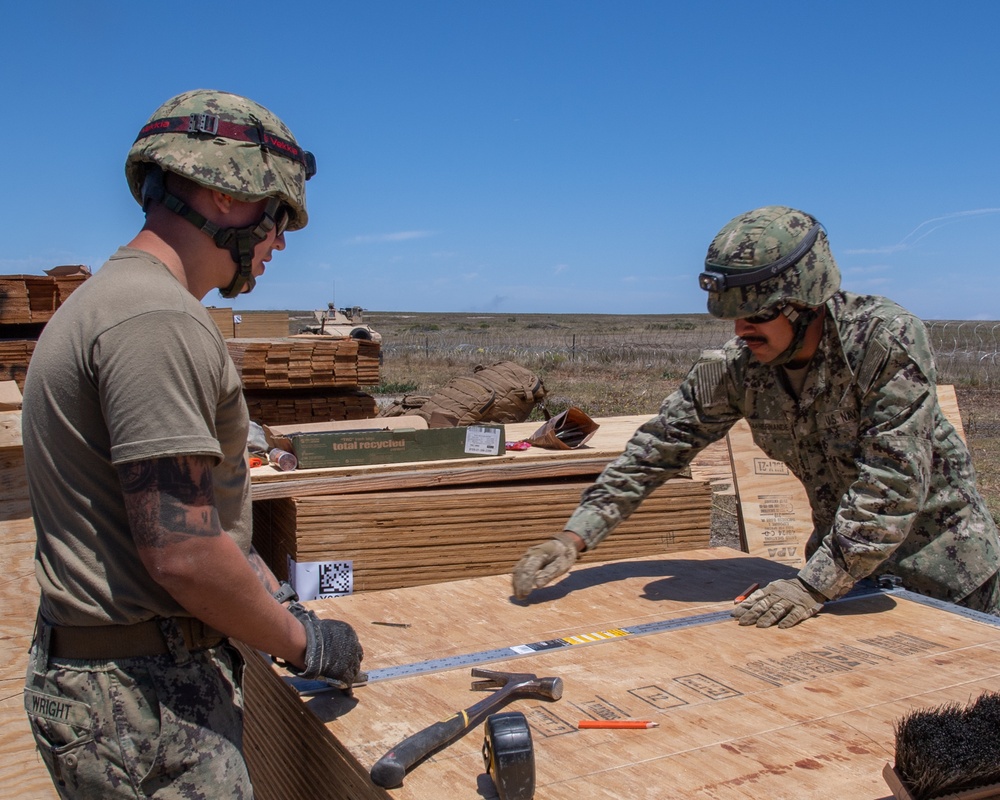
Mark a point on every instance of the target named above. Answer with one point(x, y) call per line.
point(341, 323)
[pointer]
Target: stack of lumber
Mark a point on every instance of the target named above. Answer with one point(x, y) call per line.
point(410, 538)
point(255, 324)
point(743, 712)
point(293, 406)
point(22, 772)
point(34, 298)
point(14, 357)
point(27, 302)
point(299, 363)
point(303, 380)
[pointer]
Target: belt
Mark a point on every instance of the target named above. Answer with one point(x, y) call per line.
point(98, 642)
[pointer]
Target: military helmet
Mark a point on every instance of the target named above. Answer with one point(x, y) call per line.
point(226, 142)
point(768, 257)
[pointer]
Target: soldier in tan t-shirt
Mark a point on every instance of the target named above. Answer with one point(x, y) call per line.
point(135, 434)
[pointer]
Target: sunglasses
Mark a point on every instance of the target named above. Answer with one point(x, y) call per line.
point(276, 217)
point(765, 316)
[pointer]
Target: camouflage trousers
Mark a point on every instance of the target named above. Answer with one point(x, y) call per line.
point(986, 598)
point(168, 727)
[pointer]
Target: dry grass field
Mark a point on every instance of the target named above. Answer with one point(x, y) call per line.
point(614, 365)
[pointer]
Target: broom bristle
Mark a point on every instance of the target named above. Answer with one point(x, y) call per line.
point(950, 748)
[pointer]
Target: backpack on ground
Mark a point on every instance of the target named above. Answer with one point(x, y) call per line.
point(504, 392)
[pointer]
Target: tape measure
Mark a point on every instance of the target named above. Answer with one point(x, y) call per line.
point(509, 755)
point(463, 660)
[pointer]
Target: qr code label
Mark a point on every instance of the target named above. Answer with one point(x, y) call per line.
point(336, 578)
point(315, 580)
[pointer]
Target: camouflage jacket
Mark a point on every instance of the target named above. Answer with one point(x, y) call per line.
point(890, 482)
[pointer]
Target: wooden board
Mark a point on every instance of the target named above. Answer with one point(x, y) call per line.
point(774, 513)
point(712, 465)
point(806, 712)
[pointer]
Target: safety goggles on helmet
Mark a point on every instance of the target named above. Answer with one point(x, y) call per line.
point(719, 277)
point(765, 316)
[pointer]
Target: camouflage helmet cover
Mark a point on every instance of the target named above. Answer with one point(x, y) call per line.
point(226, 142)
point(765, 237)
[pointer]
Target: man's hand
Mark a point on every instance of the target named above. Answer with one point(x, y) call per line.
point(332, 648)
point(544, 562)
point(786, 602)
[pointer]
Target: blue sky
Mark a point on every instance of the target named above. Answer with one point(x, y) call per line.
point(544, 156)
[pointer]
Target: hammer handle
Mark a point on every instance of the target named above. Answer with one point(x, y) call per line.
point(389, 770)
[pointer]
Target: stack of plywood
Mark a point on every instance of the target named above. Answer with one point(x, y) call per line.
point(413, 523)
point(409, 538)
point(22, 772)
point(742, 712)
point(34, 298)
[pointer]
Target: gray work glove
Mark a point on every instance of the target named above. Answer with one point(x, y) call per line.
point(542, 563)
point(332, 648)
point(787, 602)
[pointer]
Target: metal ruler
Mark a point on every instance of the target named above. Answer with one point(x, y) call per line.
point(865, 589)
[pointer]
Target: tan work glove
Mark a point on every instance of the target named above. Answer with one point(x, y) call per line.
point(542, 563)
point(787, 602)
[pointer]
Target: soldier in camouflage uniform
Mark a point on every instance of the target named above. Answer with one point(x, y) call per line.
point(135, 435)
point(841, 388)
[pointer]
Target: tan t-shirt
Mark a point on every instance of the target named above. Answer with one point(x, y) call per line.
point(130, 367)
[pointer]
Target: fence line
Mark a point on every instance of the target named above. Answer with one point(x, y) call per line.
point(967, 353)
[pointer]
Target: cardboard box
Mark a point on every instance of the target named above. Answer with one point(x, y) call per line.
point(397, 440)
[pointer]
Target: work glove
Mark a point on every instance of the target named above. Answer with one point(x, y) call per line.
point(542, 563)
point(786, 602)
point(332, 648)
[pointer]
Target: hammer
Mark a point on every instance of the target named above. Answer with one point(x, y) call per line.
point(389, 770)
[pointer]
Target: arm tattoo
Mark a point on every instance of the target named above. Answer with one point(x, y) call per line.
point(264, 574)
point(169, 500)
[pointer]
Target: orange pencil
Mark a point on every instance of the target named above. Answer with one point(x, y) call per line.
point(617, 723)
point(753, 587)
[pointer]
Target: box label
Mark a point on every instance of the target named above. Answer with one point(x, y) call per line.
point(482, 441)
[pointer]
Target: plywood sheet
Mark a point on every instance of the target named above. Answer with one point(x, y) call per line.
point(775, 518)
point(806, 712)
point(22, 775)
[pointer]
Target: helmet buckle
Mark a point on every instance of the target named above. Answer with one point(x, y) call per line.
point(204, 123)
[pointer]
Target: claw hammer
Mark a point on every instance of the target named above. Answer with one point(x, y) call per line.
point(389, 770)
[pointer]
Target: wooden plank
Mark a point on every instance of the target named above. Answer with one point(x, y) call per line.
point(22, 774)
point(774, 513)
point(608, 442)
point(10, 430)
point(806, 712)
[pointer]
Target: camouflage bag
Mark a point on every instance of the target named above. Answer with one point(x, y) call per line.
point(504, 392)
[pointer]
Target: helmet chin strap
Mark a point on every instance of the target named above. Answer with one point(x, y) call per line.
point(800, 320)
point(240, 242)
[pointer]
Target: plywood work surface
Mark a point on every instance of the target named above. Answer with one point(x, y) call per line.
point(806, 712)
